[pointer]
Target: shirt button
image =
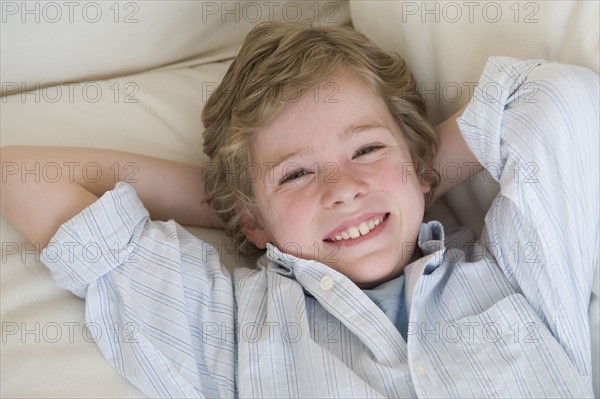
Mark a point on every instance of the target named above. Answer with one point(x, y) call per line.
point(326, 283)
point(419, 369)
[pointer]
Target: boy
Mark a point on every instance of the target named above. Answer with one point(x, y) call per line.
point(354, 296)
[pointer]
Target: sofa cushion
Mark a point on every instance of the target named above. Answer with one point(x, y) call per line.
point(76, 41)
point(447, 43)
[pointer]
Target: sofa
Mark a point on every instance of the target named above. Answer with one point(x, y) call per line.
point(134, 75)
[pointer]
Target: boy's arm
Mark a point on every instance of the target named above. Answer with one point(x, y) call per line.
point(43, 187)
point(538, 137)
point(453, 150)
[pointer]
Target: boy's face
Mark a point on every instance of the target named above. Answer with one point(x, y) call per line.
point(337, 183)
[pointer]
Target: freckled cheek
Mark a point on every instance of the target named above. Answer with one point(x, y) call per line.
point(292, 211)
point(392, 177)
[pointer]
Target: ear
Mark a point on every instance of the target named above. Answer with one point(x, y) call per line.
point(425, 187)
point(254, 231)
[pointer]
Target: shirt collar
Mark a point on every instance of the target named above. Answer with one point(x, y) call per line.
point(284, 260)
point(431, 237)
point(430, 241)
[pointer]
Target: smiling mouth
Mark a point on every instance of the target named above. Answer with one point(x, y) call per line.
point(363, 229)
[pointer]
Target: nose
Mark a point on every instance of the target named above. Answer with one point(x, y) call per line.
point(342, 187)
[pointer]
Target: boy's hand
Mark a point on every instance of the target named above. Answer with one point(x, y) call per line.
point(43, 187)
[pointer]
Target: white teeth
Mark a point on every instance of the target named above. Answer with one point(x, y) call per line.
point(363, 228)
point(356, 231)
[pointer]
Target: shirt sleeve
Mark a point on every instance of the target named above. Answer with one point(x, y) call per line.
point(156, 297)
point(534, 126)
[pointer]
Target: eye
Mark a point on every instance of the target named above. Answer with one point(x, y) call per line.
point(293, 176)
point(367, 150)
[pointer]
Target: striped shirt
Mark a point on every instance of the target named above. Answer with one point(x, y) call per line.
point(500, 316)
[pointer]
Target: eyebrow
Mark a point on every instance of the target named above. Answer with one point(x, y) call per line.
point(285, 157)
point(347, 134)
point(354, 130)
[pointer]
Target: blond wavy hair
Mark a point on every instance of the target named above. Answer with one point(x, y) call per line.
point(274, 58)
